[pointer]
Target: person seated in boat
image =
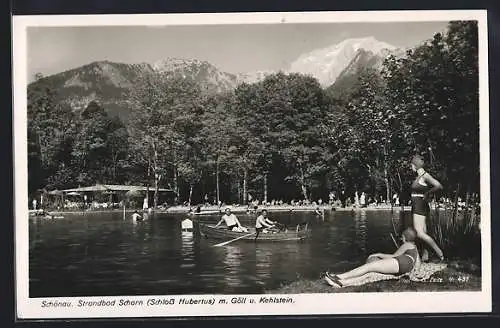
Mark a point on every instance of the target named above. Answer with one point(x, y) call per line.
point(403, 261)
point(136, 216)
point(230, 220)
point(263, 222)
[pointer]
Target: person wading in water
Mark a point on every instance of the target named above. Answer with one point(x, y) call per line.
point(422, 187)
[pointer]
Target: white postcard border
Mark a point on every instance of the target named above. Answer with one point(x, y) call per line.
point(303, 304)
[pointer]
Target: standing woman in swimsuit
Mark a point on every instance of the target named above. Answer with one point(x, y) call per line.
point(421, 188)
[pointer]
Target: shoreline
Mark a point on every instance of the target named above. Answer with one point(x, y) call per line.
point(217, 211)
point(214, 210)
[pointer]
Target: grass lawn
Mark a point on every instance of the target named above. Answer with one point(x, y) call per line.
point(458, 276)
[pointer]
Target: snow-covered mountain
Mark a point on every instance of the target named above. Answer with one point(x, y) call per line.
point(329, 63)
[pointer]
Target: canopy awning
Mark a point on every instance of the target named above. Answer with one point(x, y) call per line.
point(114, 188)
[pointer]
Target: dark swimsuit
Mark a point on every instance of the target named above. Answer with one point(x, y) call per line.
point(418, 204)
point(406, 261)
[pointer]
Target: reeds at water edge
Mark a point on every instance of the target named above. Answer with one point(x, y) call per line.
point(457, 231)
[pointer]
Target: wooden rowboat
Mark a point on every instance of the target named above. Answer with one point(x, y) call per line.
point(207, 213)
point(223, 233)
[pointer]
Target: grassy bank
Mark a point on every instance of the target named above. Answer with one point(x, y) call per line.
point(458, 276)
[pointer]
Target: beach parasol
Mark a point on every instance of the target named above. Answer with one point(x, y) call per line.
point(134, 192)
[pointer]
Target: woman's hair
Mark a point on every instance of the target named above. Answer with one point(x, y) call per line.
point(418, 161)
point(410, 234)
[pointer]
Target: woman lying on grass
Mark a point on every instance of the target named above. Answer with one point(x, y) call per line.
point(404, 260)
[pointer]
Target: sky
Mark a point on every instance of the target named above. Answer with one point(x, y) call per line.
point(231, 48)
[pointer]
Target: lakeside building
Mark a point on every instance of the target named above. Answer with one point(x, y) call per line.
point(104, 196)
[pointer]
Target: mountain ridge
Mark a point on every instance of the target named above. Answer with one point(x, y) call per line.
point(109, 82)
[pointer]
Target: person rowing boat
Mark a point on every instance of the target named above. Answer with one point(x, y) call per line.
point(262, 222)
point(230, 220)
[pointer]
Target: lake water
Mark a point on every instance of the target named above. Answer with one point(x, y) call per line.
point(105, 255)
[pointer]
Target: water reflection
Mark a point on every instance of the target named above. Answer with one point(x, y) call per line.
point(263, 262)
point(361, 229)
point(233, 260)
point(187, 243)
point(96, 254)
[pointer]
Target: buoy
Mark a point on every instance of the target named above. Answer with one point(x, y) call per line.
point(187, 225)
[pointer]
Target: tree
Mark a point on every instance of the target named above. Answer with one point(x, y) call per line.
point(158, 122)
point(218, 126)
point(99, 146)
point(434, 90)
point(50, 133)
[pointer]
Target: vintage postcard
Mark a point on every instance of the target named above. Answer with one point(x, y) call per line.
point(251, 164)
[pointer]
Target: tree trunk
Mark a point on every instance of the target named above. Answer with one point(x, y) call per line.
point(148, 181)
point(239, 190)
point(157, 177)
point(245, 178)
point(217, 179)
point(400, 192)
point(302, 184)
point(387, 185)
point(265, 188)
point(113, 170)
point(176, 185)
point(190, 194)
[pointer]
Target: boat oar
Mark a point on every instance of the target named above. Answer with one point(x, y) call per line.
point(235, 239)
point(394, 240)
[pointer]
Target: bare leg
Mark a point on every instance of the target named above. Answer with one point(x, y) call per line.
point(425, 255)
point(349, 282)
point(421, 229)
point(387, 266)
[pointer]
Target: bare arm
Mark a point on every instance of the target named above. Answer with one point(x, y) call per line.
point(219, 223)
point(381, 255)
point(418, 262)
point(398, 252)
point(436, 185)
point(270, 223)
point(401, 250)
point(266, 224)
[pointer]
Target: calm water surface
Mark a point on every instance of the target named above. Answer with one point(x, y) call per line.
point(105, 255)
